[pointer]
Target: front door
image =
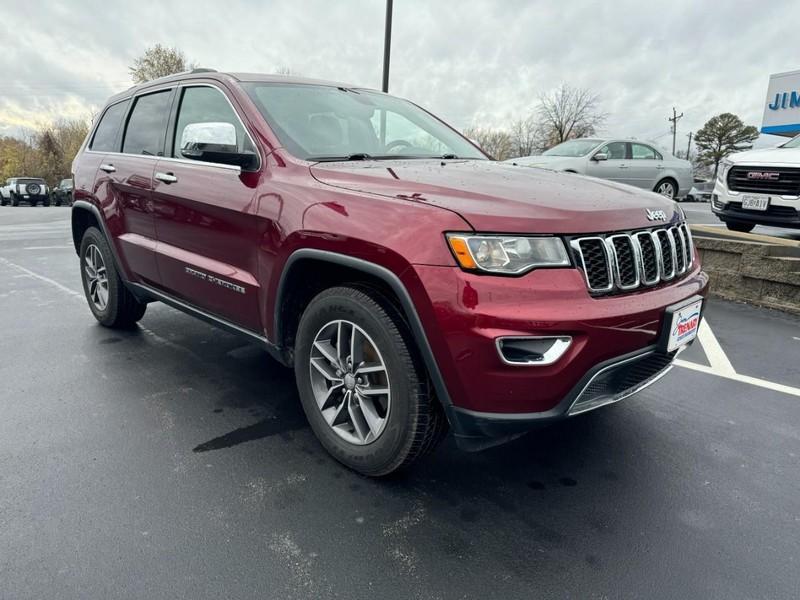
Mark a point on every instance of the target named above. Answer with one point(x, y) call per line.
point(615, 167)
point(206, 217)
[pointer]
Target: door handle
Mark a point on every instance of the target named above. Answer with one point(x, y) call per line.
point(166, 177)
point(108, 168)
point(660, 167)
point(623, 166)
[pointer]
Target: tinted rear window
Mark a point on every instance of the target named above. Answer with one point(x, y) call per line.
point(147, 124)
point(106, 133)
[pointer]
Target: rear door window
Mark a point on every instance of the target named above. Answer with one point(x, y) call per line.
point(642, 152)
point(105, 136)
point(147, 124)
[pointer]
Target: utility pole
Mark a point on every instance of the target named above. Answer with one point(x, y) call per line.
point(689, 145)
point(387, 45)
point(674, 120)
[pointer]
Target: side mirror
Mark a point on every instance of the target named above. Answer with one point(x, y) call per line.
point(600, 156)
point(215, 142)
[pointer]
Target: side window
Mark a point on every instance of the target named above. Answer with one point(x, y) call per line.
point(207, 105)
point(105, 135)
point(614, 150)
point(147, 124)
point(642, 152)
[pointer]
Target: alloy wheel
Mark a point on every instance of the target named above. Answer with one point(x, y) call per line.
point(350, 382)
point(666, 189)
point(94, 270)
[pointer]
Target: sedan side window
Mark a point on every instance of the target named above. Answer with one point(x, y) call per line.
point(208, 105)
point(642, 152)
point(614, 150)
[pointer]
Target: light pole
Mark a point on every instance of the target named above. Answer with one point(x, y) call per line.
point(387, 45)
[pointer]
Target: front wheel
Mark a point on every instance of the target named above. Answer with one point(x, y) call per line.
point(666, 188)
point(111, 303)
point(362, 385)
point(740, 227)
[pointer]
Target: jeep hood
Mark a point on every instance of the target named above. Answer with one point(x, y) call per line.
point(497, 197)
point(767, 156)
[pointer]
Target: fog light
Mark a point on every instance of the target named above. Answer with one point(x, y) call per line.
point(532, 351)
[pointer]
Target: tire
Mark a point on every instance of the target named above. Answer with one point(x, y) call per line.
point(46, 202)
point(412, 419)
point(667, 188)
point(740, 226)
point(3, 200)
point(121, 309)
point(14, 200)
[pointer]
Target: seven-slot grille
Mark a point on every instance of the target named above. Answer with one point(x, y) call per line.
point(781, 181)
point(628, 261)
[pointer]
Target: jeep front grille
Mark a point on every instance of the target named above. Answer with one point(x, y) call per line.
point(624, 262)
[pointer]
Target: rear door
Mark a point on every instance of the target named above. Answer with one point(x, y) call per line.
point(127, 177)
point(206, 216)
point(615, 168)
point(645, 166)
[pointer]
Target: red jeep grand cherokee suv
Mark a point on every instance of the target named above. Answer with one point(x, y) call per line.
point(411, 282)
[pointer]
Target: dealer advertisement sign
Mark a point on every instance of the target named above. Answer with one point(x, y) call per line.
point(782, 107)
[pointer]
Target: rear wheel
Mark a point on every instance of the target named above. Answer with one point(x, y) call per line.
point(740, 226)
point(362, 386)
point(667, 188)
point(14, 200)
point(111, 303)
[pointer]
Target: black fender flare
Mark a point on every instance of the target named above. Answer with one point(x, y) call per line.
point(394, 283)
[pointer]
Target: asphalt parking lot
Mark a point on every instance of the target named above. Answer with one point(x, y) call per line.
point(174, 461)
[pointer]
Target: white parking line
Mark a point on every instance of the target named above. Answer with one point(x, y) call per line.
point(722, 367)
point(52, 282)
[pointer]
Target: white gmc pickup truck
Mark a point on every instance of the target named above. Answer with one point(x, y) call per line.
point(759, 187)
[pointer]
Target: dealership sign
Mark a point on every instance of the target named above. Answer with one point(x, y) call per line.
point(782, 108)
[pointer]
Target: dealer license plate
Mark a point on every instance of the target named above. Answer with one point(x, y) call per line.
point(750, 202)
point(683, 325)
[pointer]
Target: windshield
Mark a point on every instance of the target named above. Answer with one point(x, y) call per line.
point(317, 122)
point(573, 148)
point(793, 143)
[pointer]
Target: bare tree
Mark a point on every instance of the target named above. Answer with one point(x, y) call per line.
point(568, 113)
point(524, 133)
point(496, 143)
point(159, 61)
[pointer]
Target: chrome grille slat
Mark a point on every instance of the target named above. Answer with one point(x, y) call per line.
point(628, 261)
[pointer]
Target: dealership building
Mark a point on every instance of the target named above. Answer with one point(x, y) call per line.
point(782, 108)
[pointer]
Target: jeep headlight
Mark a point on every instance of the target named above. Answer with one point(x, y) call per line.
point(722, 170)
point(507, 254)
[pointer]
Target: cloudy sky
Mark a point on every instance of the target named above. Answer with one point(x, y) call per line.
point(470, 61)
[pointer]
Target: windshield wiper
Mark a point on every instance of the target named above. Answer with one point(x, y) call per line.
point(355, 156)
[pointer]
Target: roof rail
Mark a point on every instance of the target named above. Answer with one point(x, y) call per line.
point(203, 70)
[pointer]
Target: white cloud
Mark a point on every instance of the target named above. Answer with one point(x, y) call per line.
point(469, 61)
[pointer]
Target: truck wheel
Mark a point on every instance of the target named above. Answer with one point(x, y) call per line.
point(111, 303)
point(362, 385)
point(46, 202)
point(740, 226)
point(14, 200)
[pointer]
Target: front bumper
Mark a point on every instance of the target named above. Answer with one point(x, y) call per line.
point(783, 211)
point(492, 399)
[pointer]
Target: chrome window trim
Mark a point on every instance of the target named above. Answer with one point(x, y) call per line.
point(184, 161)
point(576, 245)
point(179, 88)
point(555, 352)
point(636, 260)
